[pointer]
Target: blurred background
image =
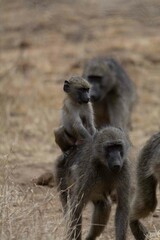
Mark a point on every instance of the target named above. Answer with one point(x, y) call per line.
point(42, 43)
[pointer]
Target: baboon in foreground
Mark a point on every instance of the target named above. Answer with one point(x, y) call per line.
point(89, 173)
point(148, 176)
point(113, 93)
point(77, 122)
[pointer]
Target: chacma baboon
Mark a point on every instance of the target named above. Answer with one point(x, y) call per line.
point(148, 176)
point(77, 122)
point(113, 93)
point(89, 173)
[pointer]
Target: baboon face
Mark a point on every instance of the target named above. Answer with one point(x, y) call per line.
point(101, 77)
point(111, 146)
point(78, 92)
point(114, 156)
point(96, 92)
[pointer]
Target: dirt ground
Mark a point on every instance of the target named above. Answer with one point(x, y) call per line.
point(41, 44)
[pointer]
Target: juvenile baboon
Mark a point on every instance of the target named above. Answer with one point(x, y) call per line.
point(77, 122)
point(148, 176)
point(89, 173)
point(113, 93)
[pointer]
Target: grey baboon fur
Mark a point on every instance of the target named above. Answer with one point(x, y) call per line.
point(113, 93)
point(77, 121)
point(148, 176)
point(89, 173)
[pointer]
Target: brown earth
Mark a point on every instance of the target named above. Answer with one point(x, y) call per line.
point(41, 44)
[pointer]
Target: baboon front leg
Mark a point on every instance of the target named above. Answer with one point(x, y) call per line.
point(122, 211)
point(75, 222)
point(90, 124)
point(75, 217)
point(62, 185)
point(118, 118)
point(79, 198)
point(121, 222)
point(100, 217)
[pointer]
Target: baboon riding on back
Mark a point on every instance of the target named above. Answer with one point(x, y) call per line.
point(77, 120)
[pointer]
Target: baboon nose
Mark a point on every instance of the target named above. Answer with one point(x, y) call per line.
point(116, 168)
point(93, 98)
point(86, 100)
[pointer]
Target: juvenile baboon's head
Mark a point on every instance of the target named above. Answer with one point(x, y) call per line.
point(77, 89)
point(100, 74)
point(111, 147)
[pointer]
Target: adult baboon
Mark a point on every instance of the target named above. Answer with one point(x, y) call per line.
point(148, 176)
point(77, 122)
point(113, 93)
point(89, 173)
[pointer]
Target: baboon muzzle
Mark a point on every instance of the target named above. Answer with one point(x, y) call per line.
point(86, 100)
point(116, 168)
point(94, 98)
point(115, 164)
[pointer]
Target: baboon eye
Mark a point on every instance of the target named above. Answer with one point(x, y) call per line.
point(113, 148)
point(120, 149)
point(94, 79)
point(121, 152)
point(84, 89)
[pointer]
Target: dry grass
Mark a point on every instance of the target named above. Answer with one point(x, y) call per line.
point(28, 212)
point(154, 235)
point(32, 212)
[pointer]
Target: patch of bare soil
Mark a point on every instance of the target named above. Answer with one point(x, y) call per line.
point(43, 43)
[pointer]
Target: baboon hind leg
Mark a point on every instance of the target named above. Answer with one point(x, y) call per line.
point(64, 195)
point(100, 217)
point(138, 230)
point(144, 203)
point(62, 184)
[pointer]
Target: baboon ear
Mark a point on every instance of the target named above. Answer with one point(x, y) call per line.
point(121, 129)
point(66, 86)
